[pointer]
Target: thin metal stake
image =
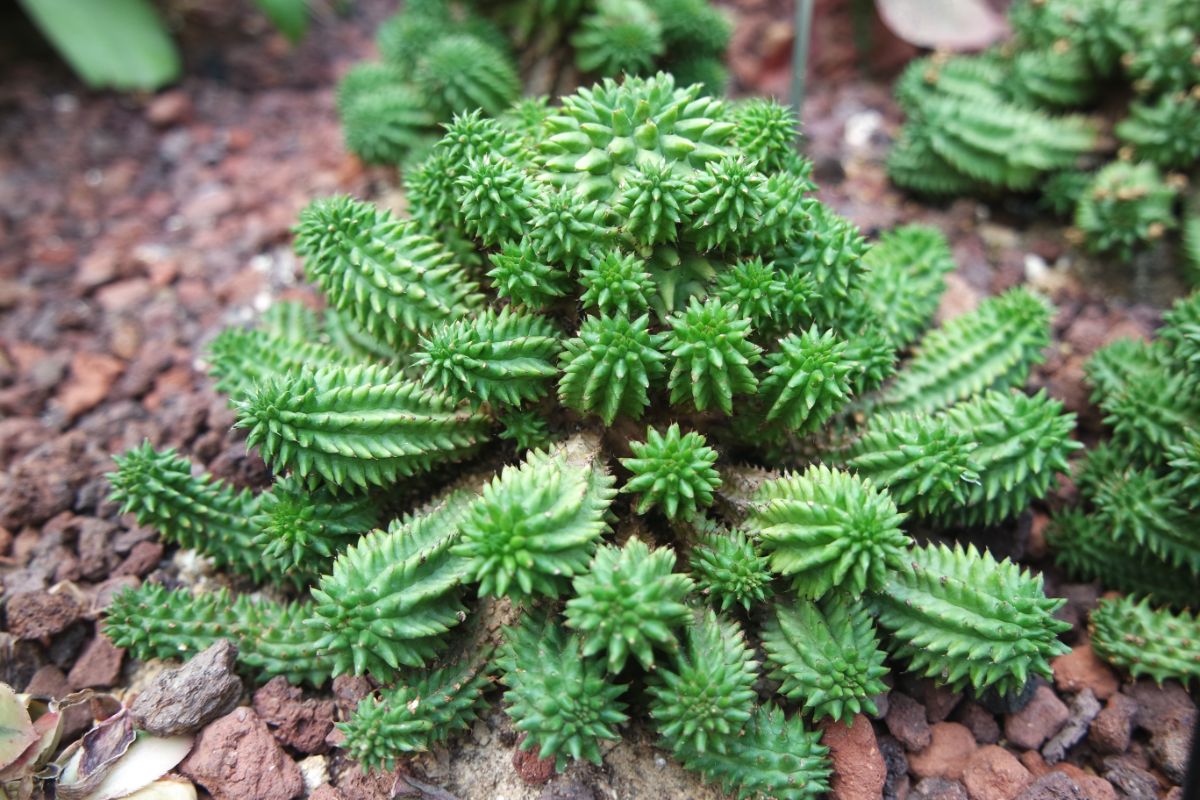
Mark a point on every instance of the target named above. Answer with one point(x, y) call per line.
point(804, 13)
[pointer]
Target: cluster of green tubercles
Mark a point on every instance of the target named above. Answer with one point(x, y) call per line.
point(444, 57)
point(1004, 119)
point(616, 303)
point(1136, 530)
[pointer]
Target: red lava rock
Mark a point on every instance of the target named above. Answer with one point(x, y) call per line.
point(939, 701)
point(947, 755)
point(32, 615)
point(99, 666)
point(93, 542)
point(44, 481)
point(48, 681)
point(326, 792)
point(1032, 760)
point(1113, 726)
point(1094, 787)
point(92, 376)
point(141, 561)
point(1159, 707)
point(1169, 750)
point(236, 757)
point(1053, 786)
point(533, 770)
point(354, 783)
point(169, 108)
point(938, 789)
point(1082, 669)
point(105, 592)
point(906, 721)
point(1038, 721)
point(296, 722)
point(6, 538)
point(993, 773)
point(859, 772)
point(980, 721)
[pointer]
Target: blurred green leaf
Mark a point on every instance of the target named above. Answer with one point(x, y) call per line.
point(290, 16)
point(118, 44)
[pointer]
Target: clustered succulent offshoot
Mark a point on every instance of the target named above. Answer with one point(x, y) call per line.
point(643, 272)
point(443, 57)
point(1003, 119)
point(1136, 530)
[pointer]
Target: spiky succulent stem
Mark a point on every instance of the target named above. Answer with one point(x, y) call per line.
point(395, 281)
point(629, 602)
point(728, 569)
point(272, 638)
point(672, 471)
point(961, 617)
point(390, 598)
point(506, 357)
point(826, 655)
point(355, 426)
point(302, 530)
point(1085, 548)
point(827, 529)
point(242, 359)
point(537, 525)
point(711, 355)
point(609, 367)
point(1147, 641)
point(774, 757)
point(701, 702)
point(420, 711)
point(992, 347)
point(560, 700)
point(202, 513)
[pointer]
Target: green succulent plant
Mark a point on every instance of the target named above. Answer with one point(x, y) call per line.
point(1004, 119)
point(728, 569)
point(649, 252)
point(1125, 206)
point(561, 701)
point(965, 619)
point(410, 716)
point(629, 602)
point(1147, 641)
point(1135, 528)
point(826, 655)
point(703, 700)
point(674, 471)
point(827, 530)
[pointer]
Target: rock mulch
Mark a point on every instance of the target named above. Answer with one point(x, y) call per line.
point(159, 220)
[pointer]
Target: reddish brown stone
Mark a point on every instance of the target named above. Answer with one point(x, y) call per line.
point(949, 751)
point(1113, 726)
point(1044, 715)
point(236, 757)
point(859, 772)
point(99, 666)
point(1082, 669)
point(296, 722)
point(993, 773)
point(533, 770)
point(92, 376)
point(906, 721)
point(141, 561)
point(1093, 786)
point(32, 615)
